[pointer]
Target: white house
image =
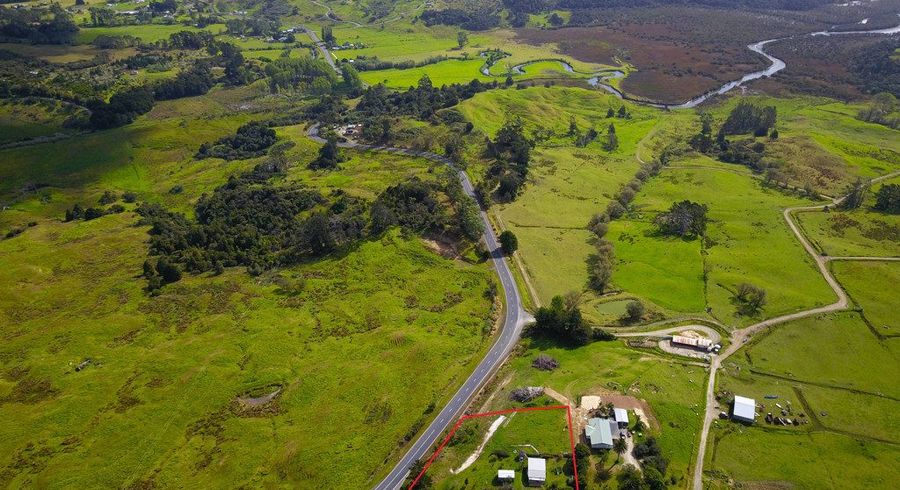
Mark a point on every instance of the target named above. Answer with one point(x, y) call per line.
point(744, 409)
point(537, 471)
point(506, 475)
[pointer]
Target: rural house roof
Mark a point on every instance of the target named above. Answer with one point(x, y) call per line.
point(600, 432)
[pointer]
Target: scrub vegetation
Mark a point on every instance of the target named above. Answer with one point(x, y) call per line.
point(235, 251)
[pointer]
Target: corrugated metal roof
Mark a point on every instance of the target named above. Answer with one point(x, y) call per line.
point(537, 469)
point(621, 415)
point(506, 474)
point(598, 432)
point(744, 408)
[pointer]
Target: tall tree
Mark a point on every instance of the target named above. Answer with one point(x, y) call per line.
point(612, 141)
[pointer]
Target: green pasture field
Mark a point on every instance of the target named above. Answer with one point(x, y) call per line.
point(823, 144)
point(817, 460)
point(843, 411)
point(25, 121)
point(857, 233)
point(832, 368)
point(834, 409)
point(167, 369)
point(665, 270)
point(398, 43)
point(673, 390)
point(748, 240)
point(149, 156)
point(545, 430)
point(861, 232)
point(158, 404)
point(872, 285)
point(566, 185)
point(365, 173)
point(443, 73)
point(149, 33)
point(846, 354)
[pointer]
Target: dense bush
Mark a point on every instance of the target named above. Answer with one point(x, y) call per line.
point(685, 218)
point(747, 118)
point(251, 140)
point(196, 80)
point(561, 321)
point(887, 199)
point(421, 101)
point(478, 16)
point(304, 73)
point(51, 25)
point(122, 108)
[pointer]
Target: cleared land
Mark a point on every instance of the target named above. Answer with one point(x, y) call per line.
point(162, 397)
point(541, 433)
point(672, 389)
point(842, 386)
point(745, 221)
point(566, 184)
point(872, 286)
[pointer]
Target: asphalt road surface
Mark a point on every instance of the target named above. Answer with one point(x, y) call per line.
point(515, 318)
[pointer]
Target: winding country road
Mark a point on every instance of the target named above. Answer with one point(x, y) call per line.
point(515, 318)
point(742, 336)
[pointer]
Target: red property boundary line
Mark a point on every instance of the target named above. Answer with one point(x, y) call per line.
point(502, 412)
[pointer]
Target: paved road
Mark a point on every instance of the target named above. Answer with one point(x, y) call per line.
point(740, 337)
point(322, 48)
point(515, 318)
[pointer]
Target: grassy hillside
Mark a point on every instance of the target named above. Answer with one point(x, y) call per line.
point(356, 350)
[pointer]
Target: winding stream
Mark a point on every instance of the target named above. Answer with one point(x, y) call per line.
point(775, 66)
point(601, 79)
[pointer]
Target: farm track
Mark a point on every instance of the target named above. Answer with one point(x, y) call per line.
point(742, 336)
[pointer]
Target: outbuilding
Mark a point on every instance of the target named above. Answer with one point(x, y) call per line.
point(506, 475)
point(537, 471)
point(621, 416)
point(743, 409)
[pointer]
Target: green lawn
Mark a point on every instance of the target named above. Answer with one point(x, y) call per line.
point(547, 431)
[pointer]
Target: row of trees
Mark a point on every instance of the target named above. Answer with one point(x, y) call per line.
point(600, 264)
